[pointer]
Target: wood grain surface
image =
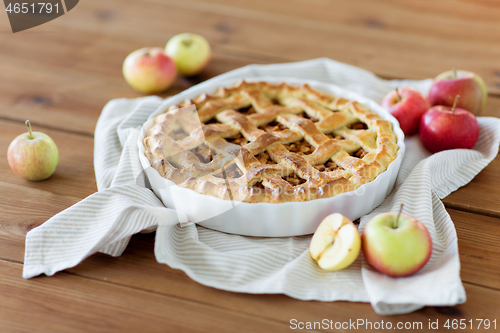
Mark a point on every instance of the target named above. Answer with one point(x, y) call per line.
point(61, 74)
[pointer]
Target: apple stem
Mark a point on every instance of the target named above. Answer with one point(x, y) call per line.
point(398, 95)
point(399, 214)
point(187, 41)
point(455, 103)
point(30, 136)
point(455, 73)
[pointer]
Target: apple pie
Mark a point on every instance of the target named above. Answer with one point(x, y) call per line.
point(263, 142)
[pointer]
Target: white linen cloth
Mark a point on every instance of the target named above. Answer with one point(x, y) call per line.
point(105, 221)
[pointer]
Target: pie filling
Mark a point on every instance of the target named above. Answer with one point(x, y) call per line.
point(238, 139)
point(273, 126)
point(358, 126)
point(307, 116)
point(328, 167)
point(259, 185)
point(229, 172)
point(294, 179)
point(264, 158)
point(301, 147)
point(203, 153)
point(247, 111)
point(333, 136)
point(359, 153)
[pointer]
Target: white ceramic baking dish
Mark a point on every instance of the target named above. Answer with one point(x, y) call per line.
point(271, 219)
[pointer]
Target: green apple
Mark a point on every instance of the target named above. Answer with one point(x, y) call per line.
point(191, 53)
point(396, 245)
point(336, 243)
point(33, 155)
point(149, 70)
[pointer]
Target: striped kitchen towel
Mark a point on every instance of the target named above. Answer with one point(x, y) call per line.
point(105, 221)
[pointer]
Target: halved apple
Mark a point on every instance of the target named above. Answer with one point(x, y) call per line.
point(336, 243)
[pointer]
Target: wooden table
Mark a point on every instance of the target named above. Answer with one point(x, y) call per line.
point(61, 74)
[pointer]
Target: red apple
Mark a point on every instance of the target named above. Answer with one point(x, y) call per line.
point(149, 70)
point(407, 105)
point(468, 85)
point(444, 127)
point(33, 155)
point(396, 244)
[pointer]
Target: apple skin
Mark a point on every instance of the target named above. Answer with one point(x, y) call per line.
point(336, 243)
point(190, 52)
point(408, 110)
point(469, 86)
point(442, 129)
point(149, 70)
point(33, 159)
point(396, 252)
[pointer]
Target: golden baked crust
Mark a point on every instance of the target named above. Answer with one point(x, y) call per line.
point(260, 142)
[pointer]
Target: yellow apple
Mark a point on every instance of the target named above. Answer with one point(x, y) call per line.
point(33, 155)
point(191, 53)
point(396, 244)
point(336, 243)
point(149, 70)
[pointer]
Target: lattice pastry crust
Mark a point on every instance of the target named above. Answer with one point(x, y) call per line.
point(261, 142)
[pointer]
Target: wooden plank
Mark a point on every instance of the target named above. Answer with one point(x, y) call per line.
point(24, 208)
point(481, 194)
point(479, 248)
point(482, 302)
point(228, 25)
point(142, 254)
point(27, 205)
point(70, 303)
point(418, 34)
point(73, 101)
point(479, 239)
point(53, 101)
point(11, 245)
point(40, 107)
point(74, 175)
point(92, 46)
point(431, 37)
point(137, 268)
point(492, 108)
point(73, 75)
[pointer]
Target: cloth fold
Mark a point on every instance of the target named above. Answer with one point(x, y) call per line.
point(105, 221)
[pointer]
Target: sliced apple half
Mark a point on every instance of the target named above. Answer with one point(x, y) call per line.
point(336, 243)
